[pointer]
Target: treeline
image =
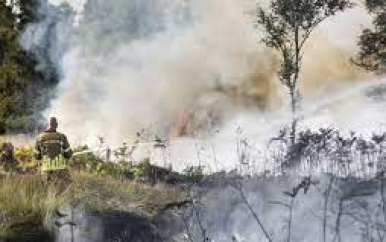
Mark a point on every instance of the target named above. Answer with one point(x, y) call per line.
point(23, 88)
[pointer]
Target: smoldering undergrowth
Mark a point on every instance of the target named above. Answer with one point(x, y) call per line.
point(344, 203)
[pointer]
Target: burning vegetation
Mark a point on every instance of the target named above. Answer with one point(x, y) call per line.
point(185, 73)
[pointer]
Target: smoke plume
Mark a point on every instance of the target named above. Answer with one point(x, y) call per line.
point(134, 64)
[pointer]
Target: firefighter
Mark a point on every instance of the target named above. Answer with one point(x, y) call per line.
point(54, 151)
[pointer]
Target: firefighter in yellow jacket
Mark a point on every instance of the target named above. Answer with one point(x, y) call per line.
point(54, 151)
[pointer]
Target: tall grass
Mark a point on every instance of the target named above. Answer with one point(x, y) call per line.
point(28, 203)
point(101, 192)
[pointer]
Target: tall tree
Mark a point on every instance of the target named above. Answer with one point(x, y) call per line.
point(19, 79)
point(288, 24)
point(10, 85)
point(372, 42)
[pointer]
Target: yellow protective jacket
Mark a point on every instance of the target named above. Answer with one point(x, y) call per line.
point(53, 149)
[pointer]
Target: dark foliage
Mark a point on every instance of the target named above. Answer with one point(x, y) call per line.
point(23, 88)
point(372, 42)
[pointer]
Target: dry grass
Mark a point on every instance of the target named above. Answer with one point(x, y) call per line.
point(103, 192)
point(27, 203)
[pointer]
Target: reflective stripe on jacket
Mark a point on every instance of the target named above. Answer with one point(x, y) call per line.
point(58, 163)
point(50, 147)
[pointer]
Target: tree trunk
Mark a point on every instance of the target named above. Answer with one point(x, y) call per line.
point(294, 116)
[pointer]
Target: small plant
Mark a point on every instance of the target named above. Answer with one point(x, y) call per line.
point(194, 173)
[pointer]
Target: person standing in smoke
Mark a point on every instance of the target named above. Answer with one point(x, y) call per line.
point(53, 150)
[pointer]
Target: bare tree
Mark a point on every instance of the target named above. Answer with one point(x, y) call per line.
point(288, 25)
point(238, 187)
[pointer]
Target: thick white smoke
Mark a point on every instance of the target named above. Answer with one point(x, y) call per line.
point(128, 65)
point(134, 64)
